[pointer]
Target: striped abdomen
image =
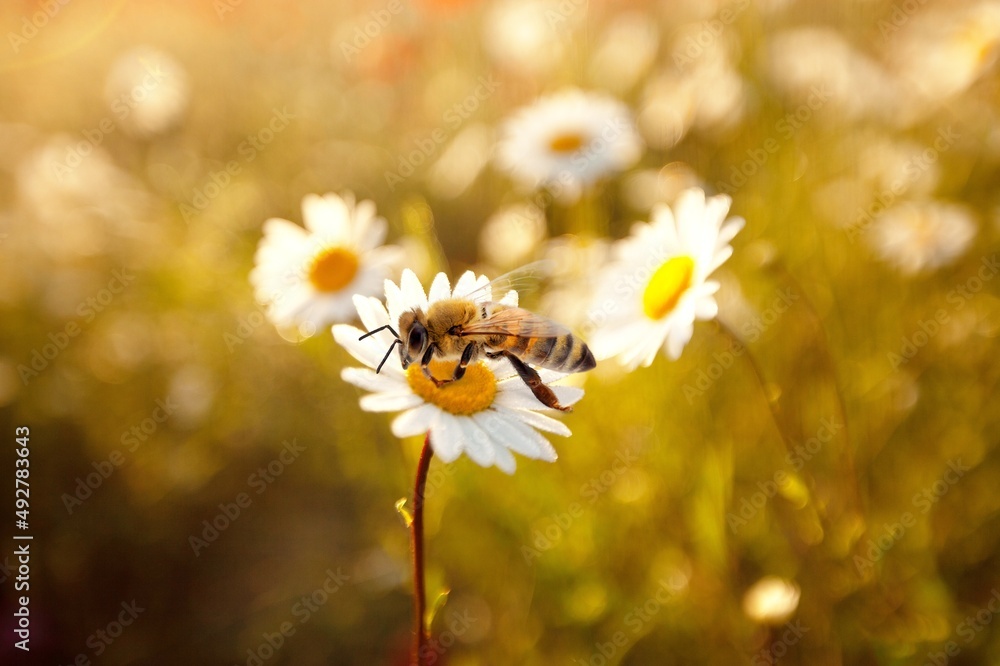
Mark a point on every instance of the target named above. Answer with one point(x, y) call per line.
point(565, 353)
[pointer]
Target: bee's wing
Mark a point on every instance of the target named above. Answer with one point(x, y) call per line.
point(523, 279)
point(515, 321)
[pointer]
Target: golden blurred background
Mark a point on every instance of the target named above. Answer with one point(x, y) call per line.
point(207, 491)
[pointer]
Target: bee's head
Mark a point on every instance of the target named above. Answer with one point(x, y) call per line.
point(413, 334)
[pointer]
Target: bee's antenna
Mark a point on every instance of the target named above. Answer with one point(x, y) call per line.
point(385, 358)
point(395, 342)
point(380, 328)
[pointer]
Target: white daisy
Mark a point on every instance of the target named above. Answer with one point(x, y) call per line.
point(657, 283)
point(567, 142)
point(918, 236)
point(487, 414)
point(306, 277)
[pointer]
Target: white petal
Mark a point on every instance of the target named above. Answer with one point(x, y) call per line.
point(327, 217)
point(527, 441)
point(678, 337)
point(440, 288)
point(390, 402)
point(729, 230)
point(706, 308)
point(394, 302)
point(415, 421)
point(719, 258)
point(476, 442)
point(488, 423)
point(568, 395)
point(465, 285)
point(413, 291)
point(446, 437)
point(366, 379)
point(386, 256)
point(503, 458)
point(371, 311)
point(510, 298)
point(347, 337)
point(369, 351)
point(535, 420)
point(519, 398)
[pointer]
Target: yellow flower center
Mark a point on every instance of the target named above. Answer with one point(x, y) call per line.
point(666, 287)
point(333, 269)
point(566, 143)
point(473, 393)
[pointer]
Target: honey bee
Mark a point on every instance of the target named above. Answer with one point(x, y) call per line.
point(461, 328)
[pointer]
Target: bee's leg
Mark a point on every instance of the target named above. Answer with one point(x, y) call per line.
point(530, 377)
point(425, 363)
point(468, 354)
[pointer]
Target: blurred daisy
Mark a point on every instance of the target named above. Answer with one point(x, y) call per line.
point(820, 68)
point(487, 414)
point(306, 277)
point(567, 142)
point(942, 52)
point(706, 93)
point(919, 236)
point(147, 90)
point(83, 202)
point(512, 234)
point(521, 34)
point(627, 48)
point(657, 283)
point(771, 600)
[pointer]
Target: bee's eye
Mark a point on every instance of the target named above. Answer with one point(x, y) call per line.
point(417, 340)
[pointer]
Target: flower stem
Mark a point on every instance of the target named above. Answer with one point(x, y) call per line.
point(417, 548)
point(775, 416)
